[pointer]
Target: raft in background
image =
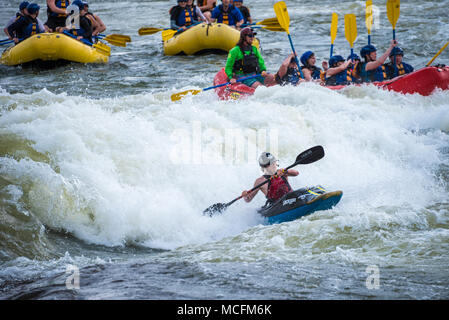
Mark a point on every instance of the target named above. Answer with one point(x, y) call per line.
point(423, 81)
point(51, 47)
point(204, 37)
point(300, 203)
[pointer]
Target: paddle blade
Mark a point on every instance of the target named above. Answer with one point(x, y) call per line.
point(369, 15)
point(280, 8)
point(334, 27)
point(274, 28)
point(215, 209)
point(118, 37)
point(180, 95)
point(269, 21)
point(393, 11)
point(148, 31)
point(115, 42)
point(168, 34)
point(311, 155)
point(103, 48)
point(350, 28)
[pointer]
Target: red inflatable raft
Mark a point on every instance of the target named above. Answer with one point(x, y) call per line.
point(423, 82)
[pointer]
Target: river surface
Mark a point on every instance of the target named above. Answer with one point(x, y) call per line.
point(104, 179)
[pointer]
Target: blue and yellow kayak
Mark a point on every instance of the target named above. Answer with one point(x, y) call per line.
point(300, 203)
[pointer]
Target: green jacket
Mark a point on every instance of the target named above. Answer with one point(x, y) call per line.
point(236, 54)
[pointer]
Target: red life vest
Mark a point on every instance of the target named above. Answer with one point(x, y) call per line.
point(277, 187)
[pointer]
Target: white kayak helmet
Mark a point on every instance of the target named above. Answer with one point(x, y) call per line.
point(266, 159)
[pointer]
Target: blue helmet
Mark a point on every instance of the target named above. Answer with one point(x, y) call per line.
point(33, 8)
point(334, 60)
point(353, 57)
point(23, 5)
point(79, 4)
point(397, 51)
point(305, 56)
point(367, 50)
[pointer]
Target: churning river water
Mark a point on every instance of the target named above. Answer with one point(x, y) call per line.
point(103, 176)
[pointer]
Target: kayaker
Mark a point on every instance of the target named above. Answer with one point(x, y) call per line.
point(277, 186)
point(372, 69)
point(401, 67)
point(245, 60)
point(56, 13)
point(338, 73)
point(182, 16)
point(308, 68)
point(98, 25)
point(85, 26)
point(354, 68)
point(244, 10)
point(27, 25)
point(226, 13)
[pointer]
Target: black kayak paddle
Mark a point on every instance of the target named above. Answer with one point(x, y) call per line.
point(306, 157)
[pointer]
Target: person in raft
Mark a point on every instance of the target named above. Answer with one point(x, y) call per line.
point(226, 13)
point(184, 15)
point(98, 25)
point(308, 68)
point(288, 73)
point(277, 186)
point(373, 69)
point(56, 13)
point(84, 32)
point(25, 26)
point(244, 10)
point(206, 7)
point(401, 67)
point(245, 60)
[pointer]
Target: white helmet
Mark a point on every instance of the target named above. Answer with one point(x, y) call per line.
point(266, 159)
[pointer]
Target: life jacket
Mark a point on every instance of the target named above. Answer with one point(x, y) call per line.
point(316, 72)
point(186, 16)
point(90, 16)
point(292, 76)
point(277, 187)
point(340, 79)
point(227, 17)
point(61, 4)
point(402, 68)
point(248, 64)
point(81, 31)
point(378, 74)
point(31, 29)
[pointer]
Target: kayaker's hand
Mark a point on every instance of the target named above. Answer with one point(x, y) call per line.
point(233, 80)
point(393, 43)
point(16, 40)
point(281, 172)
point(244, 194)
point(325, 65)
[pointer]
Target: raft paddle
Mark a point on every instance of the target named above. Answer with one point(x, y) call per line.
point(369, 18)
point(438, 53)
point(311, 155)
point(351, 30)
point(99, 46)
point(114, 41)
point(267, 22)
point(148, 31)
point(393, 12)
point(115, 36)
point(270, 28)
point(280, 8)
point(180, 95)
point(334, 29)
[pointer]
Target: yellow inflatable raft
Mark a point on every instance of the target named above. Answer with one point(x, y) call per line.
point(204, 37)
point(52, 47)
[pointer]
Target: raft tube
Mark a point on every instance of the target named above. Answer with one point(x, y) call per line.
point(423, 81)
point(204, 37)
point(300, 203)
point(51, 47)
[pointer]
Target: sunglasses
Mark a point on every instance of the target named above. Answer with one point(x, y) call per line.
point(250, 35)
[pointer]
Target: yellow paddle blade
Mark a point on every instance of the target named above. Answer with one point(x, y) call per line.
point(274, 28)
point(103, 48)
point(438, 53)
point(118, 37)
point(115, 42)
point(280, 8)
point(148, 31)
point(180, 95)
point(334, 27)
point(393, 11)
point(168, 34)
point(369, 15)
point(269, 21)
point(350, 28)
